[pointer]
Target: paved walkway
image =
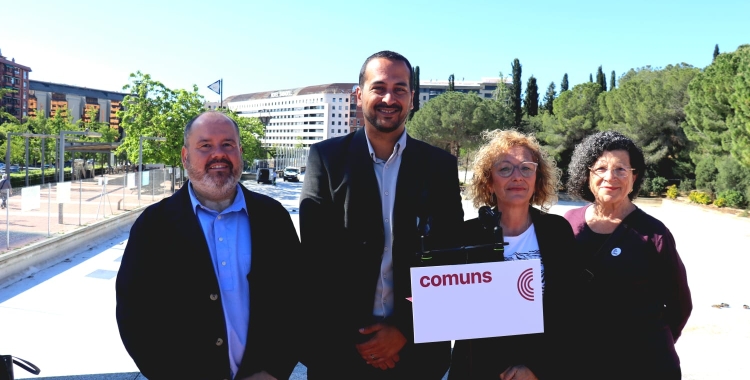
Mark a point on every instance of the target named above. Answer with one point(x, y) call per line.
point(62, 318)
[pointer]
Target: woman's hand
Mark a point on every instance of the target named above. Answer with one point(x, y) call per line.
point(518, 372)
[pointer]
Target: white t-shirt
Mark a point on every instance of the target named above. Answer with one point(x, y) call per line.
point(524, 247)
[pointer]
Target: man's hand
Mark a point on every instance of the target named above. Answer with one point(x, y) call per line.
point(260, 376)
point(381, 351)
point(518, 372)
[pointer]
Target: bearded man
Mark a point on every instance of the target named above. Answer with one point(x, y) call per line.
point(208, 274)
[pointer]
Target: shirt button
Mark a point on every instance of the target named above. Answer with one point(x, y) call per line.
point(219, 217)
point(219, 342)
point(223, 263)
point(386, 248)
point(386, 220)
point(386, 193)
point(214, 297)
point(221, 239)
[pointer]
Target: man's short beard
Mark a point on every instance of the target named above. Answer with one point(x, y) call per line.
point(374, 122)
point(209, 186)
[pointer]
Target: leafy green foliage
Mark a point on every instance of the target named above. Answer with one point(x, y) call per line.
point(516, 93)
point(705, 174)
point(687, 185)
point(549, 99)
point(564, 83)
point(658, 185)
point(454, 120)
point(700, 197)
point(645, 188)
point(672, 192)
point(720, 202)
point(648, 107)
point(531, 102)
point(733, 198)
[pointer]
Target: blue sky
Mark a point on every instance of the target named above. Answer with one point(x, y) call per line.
point(273, 45)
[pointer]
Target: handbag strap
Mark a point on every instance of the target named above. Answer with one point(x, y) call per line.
point(27, 365)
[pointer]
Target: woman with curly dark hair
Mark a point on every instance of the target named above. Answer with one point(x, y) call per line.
point(636, 300)
point(512, 174)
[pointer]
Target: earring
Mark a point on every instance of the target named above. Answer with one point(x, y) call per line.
point(494, 199)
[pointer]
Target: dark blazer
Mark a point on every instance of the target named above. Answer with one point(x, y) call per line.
point(342, 230)
point(487, 358)
point(169, 309)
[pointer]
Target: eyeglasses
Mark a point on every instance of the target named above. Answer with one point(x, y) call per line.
point(527, 169)
point(619, 172)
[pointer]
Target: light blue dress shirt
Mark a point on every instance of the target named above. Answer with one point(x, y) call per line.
point(228, 237)
point(387, 174)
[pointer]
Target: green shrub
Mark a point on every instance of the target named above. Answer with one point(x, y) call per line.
point(700, 197)
point(733, 198)
point(672, 192)
point(658, 185)
point(645, 188)
point(720, 202)
point(686, 185)
point(705, 174)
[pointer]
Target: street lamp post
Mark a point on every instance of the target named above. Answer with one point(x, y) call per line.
point(61, 161)
point(140, 160)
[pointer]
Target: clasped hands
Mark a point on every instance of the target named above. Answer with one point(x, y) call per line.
point(381, 351)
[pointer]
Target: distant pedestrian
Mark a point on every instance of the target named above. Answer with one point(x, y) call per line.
point(5, 188)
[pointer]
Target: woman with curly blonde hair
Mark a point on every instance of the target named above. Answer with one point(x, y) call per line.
point(512, 174)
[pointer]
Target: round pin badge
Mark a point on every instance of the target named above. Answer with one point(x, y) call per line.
point(616, 252)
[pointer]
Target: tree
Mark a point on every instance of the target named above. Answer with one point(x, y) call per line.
point(454, 120)
point(601, 79)
point(154, 110)
point(564, 83)
point(718, 115)
point(549, 99)
point(415, 87)
point(612, 81)
point(591, 78)
point(576, 116)
point(531, 102)
point(6, 117)
point(649, 108)
point(716, 52)
point(451, 86)
point(516, 93)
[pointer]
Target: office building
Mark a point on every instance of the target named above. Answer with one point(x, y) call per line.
point(302, 116)
point(485, 88)
point(49, 98)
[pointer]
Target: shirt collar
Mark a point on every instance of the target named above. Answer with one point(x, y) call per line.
point(237, 205)
point(398, 148)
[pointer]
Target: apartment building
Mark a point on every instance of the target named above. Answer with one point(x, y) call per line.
point(15, 77)
point(78, 102)
point(302, 116)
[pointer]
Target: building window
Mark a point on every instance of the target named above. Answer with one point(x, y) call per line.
point(333, 123)
point(339, 100)
point(339, 131)
point(334, 100)
point(346, 107)
point(339, 123)
point(333, 131)
point(333, 115)
point(339, 108)
point(339, 115)
point(346, 100)
point(346, 123)
point(424, 97)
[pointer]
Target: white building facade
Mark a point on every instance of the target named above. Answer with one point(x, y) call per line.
point(485, 88)
point(302, 116)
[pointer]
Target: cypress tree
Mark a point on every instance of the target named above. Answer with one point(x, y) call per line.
point(716, 51)
point(612, 81)
point(451, 86)
point(531, 102)
point(415, 87)
point(601, 79)
point(549, 99)
point(515, 95)
point(591, 78)
point(564, 83)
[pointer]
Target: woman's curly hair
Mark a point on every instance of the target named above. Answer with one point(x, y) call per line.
point(498, 143)
point(588, 151)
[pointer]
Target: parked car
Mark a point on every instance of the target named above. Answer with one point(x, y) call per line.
point(291, 174)
point(264, 176)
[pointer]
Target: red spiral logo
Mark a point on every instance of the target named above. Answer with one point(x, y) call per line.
point(524, 285)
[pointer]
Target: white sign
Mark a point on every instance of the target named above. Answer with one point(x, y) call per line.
point(63, 192)
point(477, 300)
point(30, 198)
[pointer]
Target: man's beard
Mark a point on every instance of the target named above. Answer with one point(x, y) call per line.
point(215, 186)
point(373, 119)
